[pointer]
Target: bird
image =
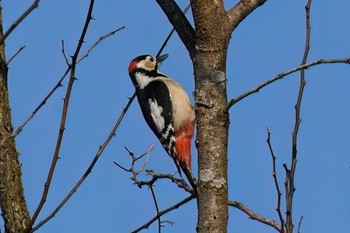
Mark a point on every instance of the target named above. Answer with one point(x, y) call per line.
point(167, 109)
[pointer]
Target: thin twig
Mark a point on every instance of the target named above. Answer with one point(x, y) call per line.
point(98, 41)
point(302, 82)
point(19, 20)
point(289, 182)
point(164, 221)
point(299, 224)
point(89, 169)
point(64, 116)
point(161, 213)
point(157, 208)
point(254, 216)
point(274, 174)
point(133, 161)
point(14, 55)
point(285, 73)
point(64, 53)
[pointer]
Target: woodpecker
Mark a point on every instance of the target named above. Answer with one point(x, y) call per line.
point(167, 110)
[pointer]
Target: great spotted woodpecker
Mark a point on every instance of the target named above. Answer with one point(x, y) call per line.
point(167, 110)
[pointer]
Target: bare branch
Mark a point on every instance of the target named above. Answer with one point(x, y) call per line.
point(290, 189)
point(123, 168)
point(19, 20)
point(285, 73)
point(64, 116)
point(255, 216)
point(14, 55)
point(161, 213)
point(274, 174)
point(289, 183)
point(64, 53)
point(179, 21)
point(89, 169)
point(302, 82)
point(134, 159)
point(299, 224)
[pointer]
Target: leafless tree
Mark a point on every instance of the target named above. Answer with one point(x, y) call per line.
point(207, 44)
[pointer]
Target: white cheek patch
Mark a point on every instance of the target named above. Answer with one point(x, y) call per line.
point(156, 113)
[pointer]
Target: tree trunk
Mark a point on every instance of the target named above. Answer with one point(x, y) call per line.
point(209, 62)
point(212, 130)
point(12, 202)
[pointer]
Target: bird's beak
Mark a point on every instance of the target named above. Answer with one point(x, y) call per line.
point(161, 58)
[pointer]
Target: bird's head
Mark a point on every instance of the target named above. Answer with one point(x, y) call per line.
point(144, 68)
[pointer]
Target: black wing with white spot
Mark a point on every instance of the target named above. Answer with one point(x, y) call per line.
point(156, 106)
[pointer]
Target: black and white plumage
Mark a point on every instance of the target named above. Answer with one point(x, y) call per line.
point(156, 109)
point(166, 108)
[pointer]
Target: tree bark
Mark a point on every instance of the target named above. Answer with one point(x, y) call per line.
point(209, 62)
point(12, 202)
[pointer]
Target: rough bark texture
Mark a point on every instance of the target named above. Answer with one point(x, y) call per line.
point(209, 62)
point(12, 202)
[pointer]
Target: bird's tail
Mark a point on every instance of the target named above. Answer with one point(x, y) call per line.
point(183, 153)
point(193, 181)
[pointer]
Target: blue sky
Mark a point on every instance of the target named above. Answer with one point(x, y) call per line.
point(268, 42)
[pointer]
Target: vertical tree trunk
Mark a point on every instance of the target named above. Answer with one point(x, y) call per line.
point(12, 202)
point(212, 129)
point(209, 61)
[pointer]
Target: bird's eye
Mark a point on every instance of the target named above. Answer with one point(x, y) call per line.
point(151, 59)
